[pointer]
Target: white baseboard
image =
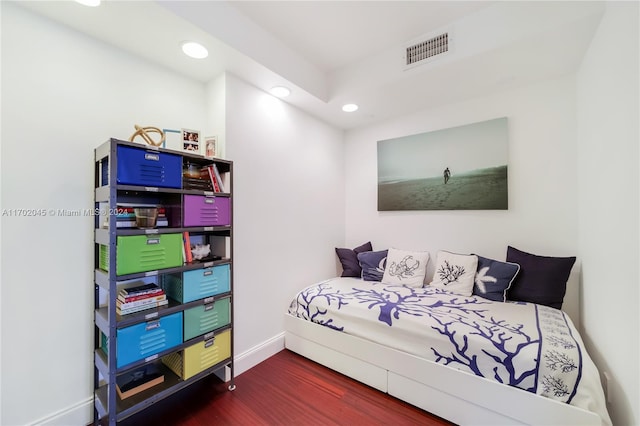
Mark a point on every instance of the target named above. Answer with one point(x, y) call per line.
point(257, 354)
point(82, 412)
point(78, 414)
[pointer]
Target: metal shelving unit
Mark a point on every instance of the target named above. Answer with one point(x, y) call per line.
point(108, 194)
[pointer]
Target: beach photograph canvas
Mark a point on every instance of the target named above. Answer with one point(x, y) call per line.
point(459, 168)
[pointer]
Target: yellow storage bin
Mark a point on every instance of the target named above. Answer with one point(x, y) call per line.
point(200, 356)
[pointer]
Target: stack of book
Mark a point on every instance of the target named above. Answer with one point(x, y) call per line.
point(192, 178)
point(198, 183)
point(139, 298)
point(126, 217)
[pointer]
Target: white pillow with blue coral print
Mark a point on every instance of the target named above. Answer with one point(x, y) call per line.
point(406, 267)
point(455, 272)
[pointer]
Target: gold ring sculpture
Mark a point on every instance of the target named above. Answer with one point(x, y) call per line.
point(144, 133)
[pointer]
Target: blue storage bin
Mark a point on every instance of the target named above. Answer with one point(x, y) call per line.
point(138, 166)
point(198, 283)
point(148, 338)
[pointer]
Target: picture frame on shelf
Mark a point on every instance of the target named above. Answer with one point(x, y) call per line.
point(190, 140)
point(211, 146)
point(172, 138)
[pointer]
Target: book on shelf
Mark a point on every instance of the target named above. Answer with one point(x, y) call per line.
point(160, 223)
point(128, 212)
point(140, 289)
point(125, 210)
point(187, 246)
point(216, 173)
point(212, 176)
point(134, 297)
point(202, 183)
point(143, 300)
point(141, 308)
point(138, 380)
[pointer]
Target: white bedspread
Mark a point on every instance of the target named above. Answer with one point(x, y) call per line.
point(498, 341)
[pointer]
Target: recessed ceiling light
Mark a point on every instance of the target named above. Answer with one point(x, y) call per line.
point(194, 50)
point(349, 107)
point(280, 91)
point(92, 3)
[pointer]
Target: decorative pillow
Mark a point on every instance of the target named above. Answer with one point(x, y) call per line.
point(455, 272)
point(494, 278)
point(372, 264)
point(406, 267)
point(542, 279)
point(349, 259)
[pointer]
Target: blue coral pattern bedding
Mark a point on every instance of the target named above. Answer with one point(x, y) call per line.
point(532, 347)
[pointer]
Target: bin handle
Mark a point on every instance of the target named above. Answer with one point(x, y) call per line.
point(152, 325)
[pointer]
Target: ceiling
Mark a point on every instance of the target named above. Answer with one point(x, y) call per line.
point(334, 52)
point(333, 35)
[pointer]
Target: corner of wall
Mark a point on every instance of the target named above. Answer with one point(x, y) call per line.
point(607, 129)
point(215, 94)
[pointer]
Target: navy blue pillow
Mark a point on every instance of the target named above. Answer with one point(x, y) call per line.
point(349, 259)
point(494, 278)
point(373, 264)
point(542, 279)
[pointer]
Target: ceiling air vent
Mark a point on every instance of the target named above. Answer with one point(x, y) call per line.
point(427, 49)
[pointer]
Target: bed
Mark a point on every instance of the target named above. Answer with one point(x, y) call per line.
point(467, 359)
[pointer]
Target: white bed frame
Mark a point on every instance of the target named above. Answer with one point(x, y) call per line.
point(457, 396)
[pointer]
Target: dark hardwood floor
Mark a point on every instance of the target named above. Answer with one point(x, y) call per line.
point(286, 389)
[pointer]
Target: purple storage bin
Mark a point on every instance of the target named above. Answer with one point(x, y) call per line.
point(206, 211)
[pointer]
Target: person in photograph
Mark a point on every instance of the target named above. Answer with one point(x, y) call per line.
point(447, 175)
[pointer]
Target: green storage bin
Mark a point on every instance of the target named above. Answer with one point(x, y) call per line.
point(205, 318)
point(142, 253)
point(103, 257)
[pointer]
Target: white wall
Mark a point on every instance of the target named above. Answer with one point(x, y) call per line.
point(607, 93)
point(216, 114)
point(62, 95)
point(542, 181)
point(289, 210)
point(67, 95)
